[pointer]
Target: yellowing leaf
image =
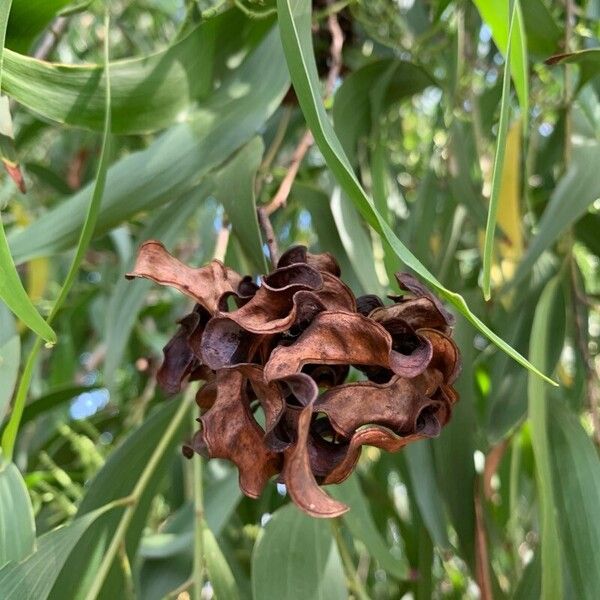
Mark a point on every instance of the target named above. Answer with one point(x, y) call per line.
point(509, 210)
point(37, 278)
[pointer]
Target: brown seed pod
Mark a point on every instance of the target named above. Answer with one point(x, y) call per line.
point(287, 350)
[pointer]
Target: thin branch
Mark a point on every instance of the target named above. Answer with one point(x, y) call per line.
point(254, 14)
point(281, 196)
point(51, 38)
point(222, 242)
point(269, 233)
point(482, 561)
point(129, 592)
point(568, 82)
point(199, 550)
point(273, 149)
point(182, 588)
point(307, 140)
point(492, 464)
point(335, 51)
point(354, 582)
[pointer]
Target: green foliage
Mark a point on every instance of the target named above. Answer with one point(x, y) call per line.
point(423, 159)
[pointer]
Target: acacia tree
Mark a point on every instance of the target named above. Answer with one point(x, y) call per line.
point(390, 320)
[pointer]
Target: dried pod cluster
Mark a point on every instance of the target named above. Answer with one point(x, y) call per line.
point(286, 348)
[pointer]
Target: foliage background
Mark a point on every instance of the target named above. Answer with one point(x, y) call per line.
point(95, 497)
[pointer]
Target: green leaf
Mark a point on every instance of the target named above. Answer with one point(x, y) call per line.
point(352, 114)
point(421, 469)
point(588, 61)
point(10, 356)
point(176, 161)
point(34, 578)
point(454, 449)
point(219, 573)
point(496, 13)
point(529, 584)
point(356, 240)
point(28, 19)
point(576, 190)
point(13, 294)
point(169, 554)
point(586, 231)
point(128, 297)
point(497, 171)
point(148, 93)
point(576, 474)
point(235, 190)
point(296, 558)
point(4, 15)
point(295, 26)
point(543, 33)
point(551, 547)
point(362, 526)
point(85, 237)
point(317, 203)
point(112, 482)
point(17, 526)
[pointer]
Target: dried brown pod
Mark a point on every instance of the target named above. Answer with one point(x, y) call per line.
point(286, 349)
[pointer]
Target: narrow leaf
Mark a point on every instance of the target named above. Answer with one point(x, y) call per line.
point(34, 578)
point(17, 526)
point(235, 190)
point(362, 527)
point(576, 474)
point(149, 93)
point(13, 294)
point(496, 13)
point(296, 558)
point(421, 469)
point(551, 547)
point(176, 161)
point(490, 228)
point(295, 26)
point(578, 188)
point(113, 482)
point(219, 573)
point(588, 61)
point(85, 237)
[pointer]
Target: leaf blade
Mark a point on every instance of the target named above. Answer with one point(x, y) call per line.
point(498, 167)
point(295, 23)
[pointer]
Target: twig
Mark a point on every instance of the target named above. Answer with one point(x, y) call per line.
point(354, 582)
point(222, 242)
point(567, 90)
point(492, 463)
point(269, 233)
point(199, 550)
point(273, 149)
point(182, 588)
point(335, 51)
point(280, 198)
point(129, 592)
point(51, 38)
point(482, 562)
point(307, 140)
point(254, 14)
